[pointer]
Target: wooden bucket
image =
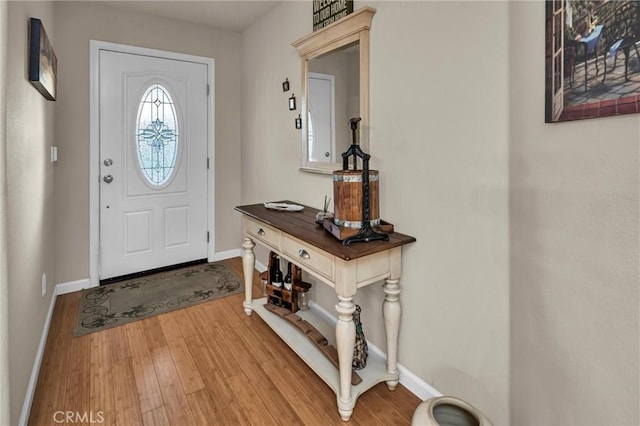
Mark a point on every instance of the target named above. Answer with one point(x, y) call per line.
point(347, 198)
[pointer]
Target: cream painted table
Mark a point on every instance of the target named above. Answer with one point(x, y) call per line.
point(296, 238)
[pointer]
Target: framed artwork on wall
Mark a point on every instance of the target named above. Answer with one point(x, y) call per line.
point(292, 102)
point(592, 61)
point(43, 63)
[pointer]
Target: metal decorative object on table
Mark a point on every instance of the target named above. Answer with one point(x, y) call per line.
point(366, 233)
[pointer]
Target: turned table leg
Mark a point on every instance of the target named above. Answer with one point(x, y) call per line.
point(345, 341)
point(248, 266)
point(391, 314)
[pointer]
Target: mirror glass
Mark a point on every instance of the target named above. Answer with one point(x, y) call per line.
point(333, 90)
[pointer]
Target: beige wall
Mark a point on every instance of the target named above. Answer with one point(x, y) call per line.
point(439, 114)
point(574, 252)
point(30, 203)
point(76, 24)
point(439, 136)
point(4, 303)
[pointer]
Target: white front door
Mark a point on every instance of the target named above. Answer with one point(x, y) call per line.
point(153, 134)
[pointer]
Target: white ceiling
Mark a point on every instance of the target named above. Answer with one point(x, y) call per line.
point(226, 15)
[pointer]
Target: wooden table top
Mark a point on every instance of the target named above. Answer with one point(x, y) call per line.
point(302, 225)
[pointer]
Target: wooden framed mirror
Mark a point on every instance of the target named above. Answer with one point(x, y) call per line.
point(335, 88)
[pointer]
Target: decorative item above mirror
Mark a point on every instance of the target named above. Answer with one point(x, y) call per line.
point(335, 87)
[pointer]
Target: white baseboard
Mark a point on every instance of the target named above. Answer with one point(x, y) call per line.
point(416, 385)
point(260, 266)
point(222, 255)
point(237, 253)
point(33, 380)
point(72, 286)
point(408, 379)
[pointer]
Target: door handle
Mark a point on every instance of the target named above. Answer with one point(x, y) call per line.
point(108, 178)
point(108, 162)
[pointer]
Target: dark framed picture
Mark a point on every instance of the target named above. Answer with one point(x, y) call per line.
point(292, 102)
point(299, 122)
point(43, 63)
point(592, 61)
point(285, 85)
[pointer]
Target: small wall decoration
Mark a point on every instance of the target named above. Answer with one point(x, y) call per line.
point(327, 12)
point(592, 62)
point(299, 122)
point(292, 102)
point(285, 85)
point(43, 63)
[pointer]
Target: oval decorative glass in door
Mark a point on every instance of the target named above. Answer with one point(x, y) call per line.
point(157, 135)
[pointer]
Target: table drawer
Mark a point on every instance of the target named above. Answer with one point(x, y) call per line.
point(263, 232)
point(308, 257)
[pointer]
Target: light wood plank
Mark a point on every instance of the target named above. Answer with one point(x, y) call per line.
point(101, 397)
point(225, 402)
point(149, 394)
point(226, 363)
point(377, 405)
point(212, 315)
point(185, 323)
point(185, 366)
point(252, 406)
point(255, 329)
point(175, 400)
point(154, 333)
point(169, 327)
point(404, 402)
point(78, 388)
point(156, 417)
point(202, 407)
point(126, 404)
point(206, 322)
point(118, 345)
point(260, 380)
point(299, 394)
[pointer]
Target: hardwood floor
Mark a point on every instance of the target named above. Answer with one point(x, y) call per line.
point(209, 364)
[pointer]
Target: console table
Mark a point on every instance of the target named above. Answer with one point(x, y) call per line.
point(296, 238)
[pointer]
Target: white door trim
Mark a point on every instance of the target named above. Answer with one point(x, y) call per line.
point(95, 47)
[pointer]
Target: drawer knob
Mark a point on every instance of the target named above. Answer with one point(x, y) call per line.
point(260, 231)
point(304, 254)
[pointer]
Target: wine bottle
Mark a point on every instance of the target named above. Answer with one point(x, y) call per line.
point(277, 274)
point(287, 279)
point(272, 266)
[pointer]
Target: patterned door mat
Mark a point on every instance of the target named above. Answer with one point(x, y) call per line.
point(143, 297)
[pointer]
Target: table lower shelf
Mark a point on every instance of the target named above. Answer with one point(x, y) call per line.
point(374, 373)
